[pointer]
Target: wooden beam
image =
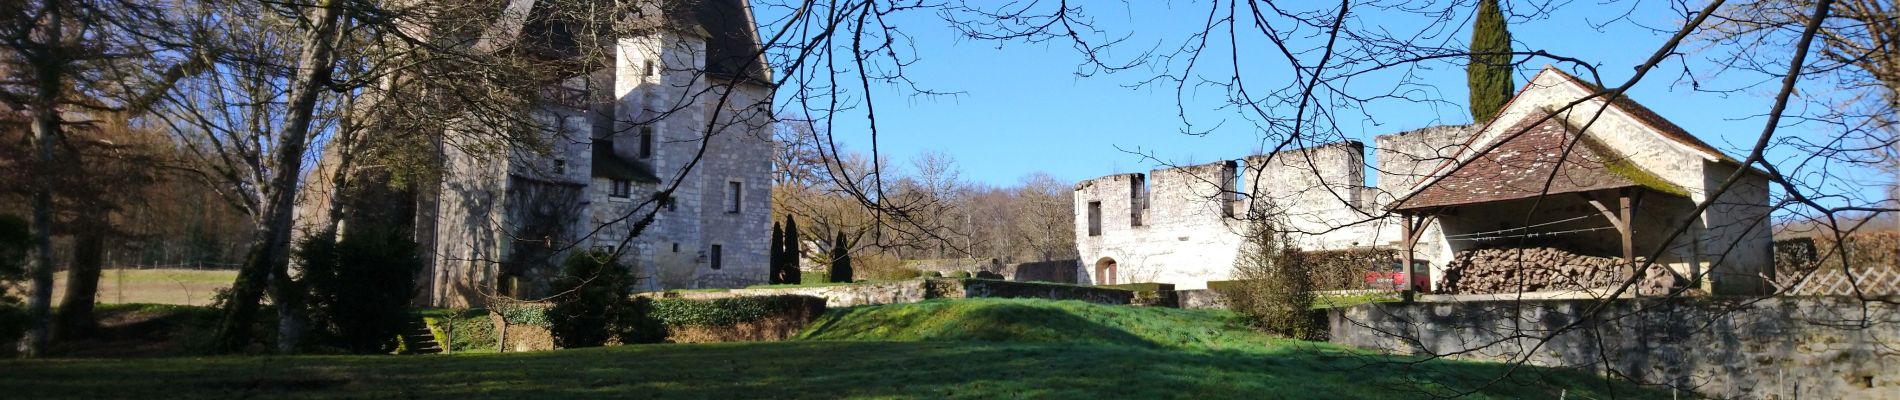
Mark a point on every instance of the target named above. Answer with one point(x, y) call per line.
point(1629, 244)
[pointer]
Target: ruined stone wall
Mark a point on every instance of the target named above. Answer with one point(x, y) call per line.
point(1319, 197)
point(1404, 160)
point(1802, 347)
point(1185, 235)
point(1190, 230)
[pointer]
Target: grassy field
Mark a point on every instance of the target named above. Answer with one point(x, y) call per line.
point(155, 286)
point(939, 349)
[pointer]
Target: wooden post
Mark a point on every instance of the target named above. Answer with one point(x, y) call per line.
point(1629, 245)
point(1621, 219)
point(1405, 260)
point(1409, 227)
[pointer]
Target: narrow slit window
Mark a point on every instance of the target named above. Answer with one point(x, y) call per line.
point(733, 196)
point(646, 141)
point(717, 256)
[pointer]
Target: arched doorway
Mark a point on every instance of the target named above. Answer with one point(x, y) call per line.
point(1105, 271)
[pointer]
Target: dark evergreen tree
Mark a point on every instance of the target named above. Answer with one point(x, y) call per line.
point(357, 290)
point(1489, 73)
point(775, 271)
point(793, 254)
point(840, 260)
point(595, 306)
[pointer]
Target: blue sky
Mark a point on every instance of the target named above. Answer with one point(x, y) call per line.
point(1022, 108)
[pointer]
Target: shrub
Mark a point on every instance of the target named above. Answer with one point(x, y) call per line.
point(359, 288)
point(794, 254)
point(1345, 269)
point(15, 238)
point(988, 275)
point(840, 259)
point(468, 330)
point(593, 306)
point(775, 265)
point(1273, 287)
point(733, 310)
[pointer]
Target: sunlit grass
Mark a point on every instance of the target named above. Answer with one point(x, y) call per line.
point(984, 348)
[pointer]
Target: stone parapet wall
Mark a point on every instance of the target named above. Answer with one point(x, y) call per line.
point(1802, 347)
point(917, 290)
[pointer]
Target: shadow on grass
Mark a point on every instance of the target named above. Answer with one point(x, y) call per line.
point(1113, 363)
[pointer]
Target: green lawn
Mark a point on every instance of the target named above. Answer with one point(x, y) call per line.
point(984, 348)
point(157, 286)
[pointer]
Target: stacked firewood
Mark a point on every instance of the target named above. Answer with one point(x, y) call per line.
point(1535, 269)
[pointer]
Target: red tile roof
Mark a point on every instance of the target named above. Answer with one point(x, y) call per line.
point(1522, 166)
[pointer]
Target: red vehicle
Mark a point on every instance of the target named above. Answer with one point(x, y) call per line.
point(1387, 275)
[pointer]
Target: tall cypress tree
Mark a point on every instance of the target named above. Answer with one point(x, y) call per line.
point(775, 266)
point(792, 252)
point(1489, 73)
point(840, 260)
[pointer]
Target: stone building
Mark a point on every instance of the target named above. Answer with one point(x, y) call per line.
point(1183, 225)
point(620, 135)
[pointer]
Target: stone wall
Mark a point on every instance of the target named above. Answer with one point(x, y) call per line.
point(916, 290)
point(1183, 225)
point(1058, 271)
point(1200, 299)
point(1811, 347)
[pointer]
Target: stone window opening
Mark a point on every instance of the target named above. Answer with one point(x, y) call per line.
point(1232, 186)
point(734, 194)
point(1137, 199)
point(676, 247)
point(560, 166)
point(651, 69)
point(646, 141)
point(620, 188)
point(1095, 218)
point(718, 256)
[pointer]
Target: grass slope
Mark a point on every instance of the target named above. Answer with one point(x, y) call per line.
point(941, 349)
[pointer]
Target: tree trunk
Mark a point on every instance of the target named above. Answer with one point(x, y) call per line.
point(82, 286)
point(45, 129)
point(269, 257)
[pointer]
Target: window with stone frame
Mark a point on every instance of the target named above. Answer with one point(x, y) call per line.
point(619, 188)
point(718, 256)
point(734, 194)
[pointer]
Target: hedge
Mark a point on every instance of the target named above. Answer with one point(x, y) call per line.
point(534, 314)
point(733, 310)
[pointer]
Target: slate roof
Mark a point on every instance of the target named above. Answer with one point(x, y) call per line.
point(609, 165)
point(732, 43)
point(1519, 168)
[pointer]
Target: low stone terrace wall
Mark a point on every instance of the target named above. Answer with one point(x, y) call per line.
point(916, 290)
point(1775, 348)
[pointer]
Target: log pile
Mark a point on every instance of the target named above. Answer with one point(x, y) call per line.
point(1535, 269)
